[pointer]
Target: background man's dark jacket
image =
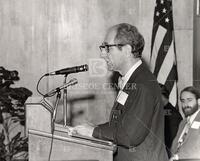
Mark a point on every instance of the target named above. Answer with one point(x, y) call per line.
point(172, 121)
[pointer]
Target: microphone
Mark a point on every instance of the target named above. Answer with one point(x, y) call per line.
point(75, 69)
point(70, 83)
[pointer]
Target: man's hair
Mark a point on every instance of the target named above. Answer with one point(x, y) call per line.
point(192, 90)
point(128, 34)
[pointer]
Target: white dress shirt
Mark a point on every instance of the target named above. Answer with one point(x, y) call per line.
point(126, 77)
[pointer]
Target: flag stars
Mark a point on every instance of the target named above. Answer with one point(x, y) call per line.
point(167, 20)
point(161, 1)
point(157, 13)
point(164, 10)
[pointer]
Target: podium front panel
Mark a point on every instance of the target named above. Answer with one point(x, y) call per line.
point(65, 148)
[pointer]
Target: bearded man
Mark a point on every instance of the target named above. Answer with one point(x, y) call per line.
point(186, 145)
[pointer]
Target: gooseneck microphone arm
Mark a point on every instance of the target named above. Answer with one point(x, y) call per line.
point(66, 71)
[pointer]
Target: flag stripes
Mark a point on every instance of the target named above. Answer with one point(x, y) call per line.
point(163, 54)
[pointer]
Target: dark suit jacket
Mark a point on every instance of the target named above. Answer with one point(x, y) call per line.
point(191, 146)
point(137, 127)
point(172, 121)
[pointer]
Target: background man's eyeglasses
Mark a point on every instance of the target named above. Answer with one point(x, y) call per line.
point(106, 47)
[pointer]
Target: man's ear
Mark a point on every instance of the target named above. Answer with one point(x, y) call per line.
point(128, 50)
point(198, 101)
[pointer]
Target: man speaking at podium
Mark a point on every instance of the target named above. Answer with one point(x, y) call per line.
point(136, 122)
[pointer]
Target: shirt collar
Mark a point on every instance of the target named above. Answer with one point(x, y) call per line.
point(193, 116)
point(126, 77)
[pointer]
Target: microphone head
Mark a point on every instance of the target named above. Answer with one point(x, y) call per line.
point(66, 71)
point(73, 81)
point(85, 67)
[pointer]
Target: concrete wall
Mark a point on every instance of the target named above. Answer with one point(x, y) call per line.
point(38, 36)
point(183, 22)
point(196, 57)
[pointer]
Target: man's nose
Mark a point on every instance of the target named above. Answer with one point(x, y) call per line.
point(184, 104)
point(103, 54)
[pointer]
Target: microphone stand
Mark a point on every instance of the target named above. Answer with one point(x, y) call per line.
point(65, 114)
point(55, 109)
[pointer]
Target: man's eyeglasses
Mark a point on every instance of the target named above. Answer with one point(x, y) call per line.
point(106, 47)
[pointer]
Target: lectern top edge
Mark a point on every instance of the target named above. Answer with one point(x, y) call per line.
point(72, 139)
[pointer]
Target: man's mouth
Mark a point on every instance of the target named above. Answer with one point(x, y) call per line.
point(187, 108)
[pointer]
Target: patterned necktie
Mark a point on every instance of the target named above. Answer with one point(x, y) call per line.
point(183, 135)
point(120, 82)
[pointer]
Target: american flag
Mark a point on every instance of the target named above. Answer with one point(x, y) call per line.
point(163, 52)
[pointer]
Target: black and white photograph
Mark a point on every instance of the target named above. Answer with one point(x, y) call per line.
point(99, 80)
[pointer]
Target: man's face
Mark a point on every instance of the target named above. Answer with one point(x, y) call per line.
point(113, 56)
point(189, 103)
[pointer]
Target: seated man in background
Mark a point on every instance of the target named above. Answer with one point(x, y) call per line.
point(172, 119)
point(186, 144)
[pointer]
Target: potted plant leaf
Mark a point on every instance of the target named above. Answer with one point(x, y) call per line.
point(13, 142)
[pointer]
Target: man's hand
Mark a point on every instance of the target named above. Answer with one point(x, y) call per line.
point(174, 158)
point(84, 129)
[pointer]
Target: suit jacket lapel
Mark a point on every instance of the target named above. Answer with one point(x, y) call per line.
point(175, 141)
point(130, 85)
point(197, 118)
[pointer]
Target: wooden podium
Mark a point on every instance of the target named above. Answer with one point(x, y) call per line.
point(61, 146)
